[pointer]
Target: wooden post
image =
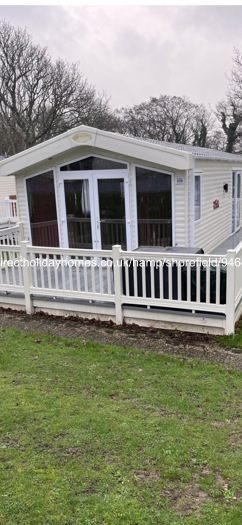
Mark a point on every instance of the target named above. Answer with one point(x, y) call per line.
point(117, 274)
point(25, 256)
point(230, 292)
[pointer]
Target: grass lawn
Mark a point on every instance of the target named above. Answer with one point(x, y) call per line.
point(233, 341)
point(101, 435)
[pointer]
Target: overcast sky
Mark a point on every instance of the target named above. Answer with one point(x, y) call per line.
point(134, 52)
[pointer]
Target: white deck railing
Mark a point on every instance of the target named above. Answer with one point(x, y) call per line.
point(71, 272)
point(8, 210)
point(11, 235)
point(234, 292)
point(201, 284)
point(185, 281)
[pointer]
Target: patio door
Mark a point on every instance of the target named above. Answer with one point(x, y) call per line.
point(236, 201)
point(78, 213)
point(112, 212)
point(95, 208)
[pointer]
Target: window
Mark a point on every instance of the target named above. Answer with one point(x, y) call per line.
point(236, 200)
point(197, 197)
point(42, 210)
point(94, 163)
point(154, 208)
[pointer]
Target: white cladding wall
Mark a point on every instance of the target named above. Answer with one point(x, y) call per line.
point(60, 211)
point(215, 225)
point(133, 206)
point(22, 205)
point(188, 214)
point(7, 187)
point(180, 208)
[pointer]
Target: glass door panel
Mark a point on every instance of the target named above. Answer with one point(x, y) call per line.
point(112, 213)
point(154, 208)
point(78, 213)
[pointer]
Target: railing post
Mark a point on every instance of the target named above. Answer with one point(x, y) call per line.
point(230, 292)
point(117, 274)
point(25, 257)
point(21, 231)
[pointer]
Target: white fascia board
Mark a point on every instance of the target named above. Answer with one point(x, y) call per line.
point(143, 150)
point(87, 136)
point(50, 149)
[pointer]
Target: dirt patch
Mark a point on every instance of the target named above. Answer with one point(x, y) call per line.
point(236, 441)
point(218, 424)
point(189, 500)
point(9, 443)
point(144, 475)
point(221, 481)
point(186, 345)
point(72, 451)
point(63, 452)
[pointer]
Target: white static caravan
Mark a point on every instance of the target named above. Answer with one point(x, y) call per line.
point(93, 189)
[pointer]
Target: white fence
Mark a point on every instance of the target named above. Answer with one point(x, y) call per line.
point(234, 291)
point(204, 290)
point(8, 210)
point(11, 235)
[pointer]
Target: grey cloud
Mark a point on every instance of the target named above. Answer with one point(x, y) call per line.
point(140, 51)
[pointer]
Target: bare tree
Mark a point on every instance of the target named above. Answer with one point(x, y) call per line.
point(171, 119)
point(229, 111)
point(40, 98)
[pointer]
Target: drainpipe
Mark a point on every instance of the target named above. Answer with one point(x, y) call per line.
point(192, 209)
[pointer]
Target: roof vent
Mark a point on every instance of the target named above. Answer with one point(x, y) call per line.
point(82, 138)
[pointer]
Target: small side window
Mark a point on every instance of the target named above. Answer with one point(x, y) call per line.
point(197, 197)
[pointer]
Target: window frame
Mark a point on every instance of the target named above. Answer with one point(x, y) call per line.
point(102, 157)
point(42, 172)
point(197, 175)
point(135, 210)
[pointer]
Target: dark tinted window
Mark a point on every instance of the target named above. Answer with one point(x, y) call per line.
point(93, 163)
point(154, 208)
point(42, 210)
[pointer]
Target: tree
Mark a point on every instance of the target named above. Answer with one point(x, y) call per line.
point(229, 111)
point(170, 119)
point(40, 98)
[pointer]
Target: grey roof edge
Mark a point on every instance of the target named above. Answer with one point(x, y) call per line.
point(197, 151)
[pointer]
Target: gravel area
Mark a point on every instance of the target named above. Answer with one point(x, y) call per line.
point(171, 342)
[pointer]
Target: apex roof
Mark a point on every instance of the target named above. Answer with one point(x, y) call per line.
point(73, 143)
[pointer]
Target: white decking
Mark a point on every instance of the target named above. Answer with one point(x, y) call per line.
point(229, 244)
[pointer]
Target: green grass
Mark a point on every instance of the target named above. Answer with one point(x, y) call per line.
point(234, 340)
point(101, 435)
